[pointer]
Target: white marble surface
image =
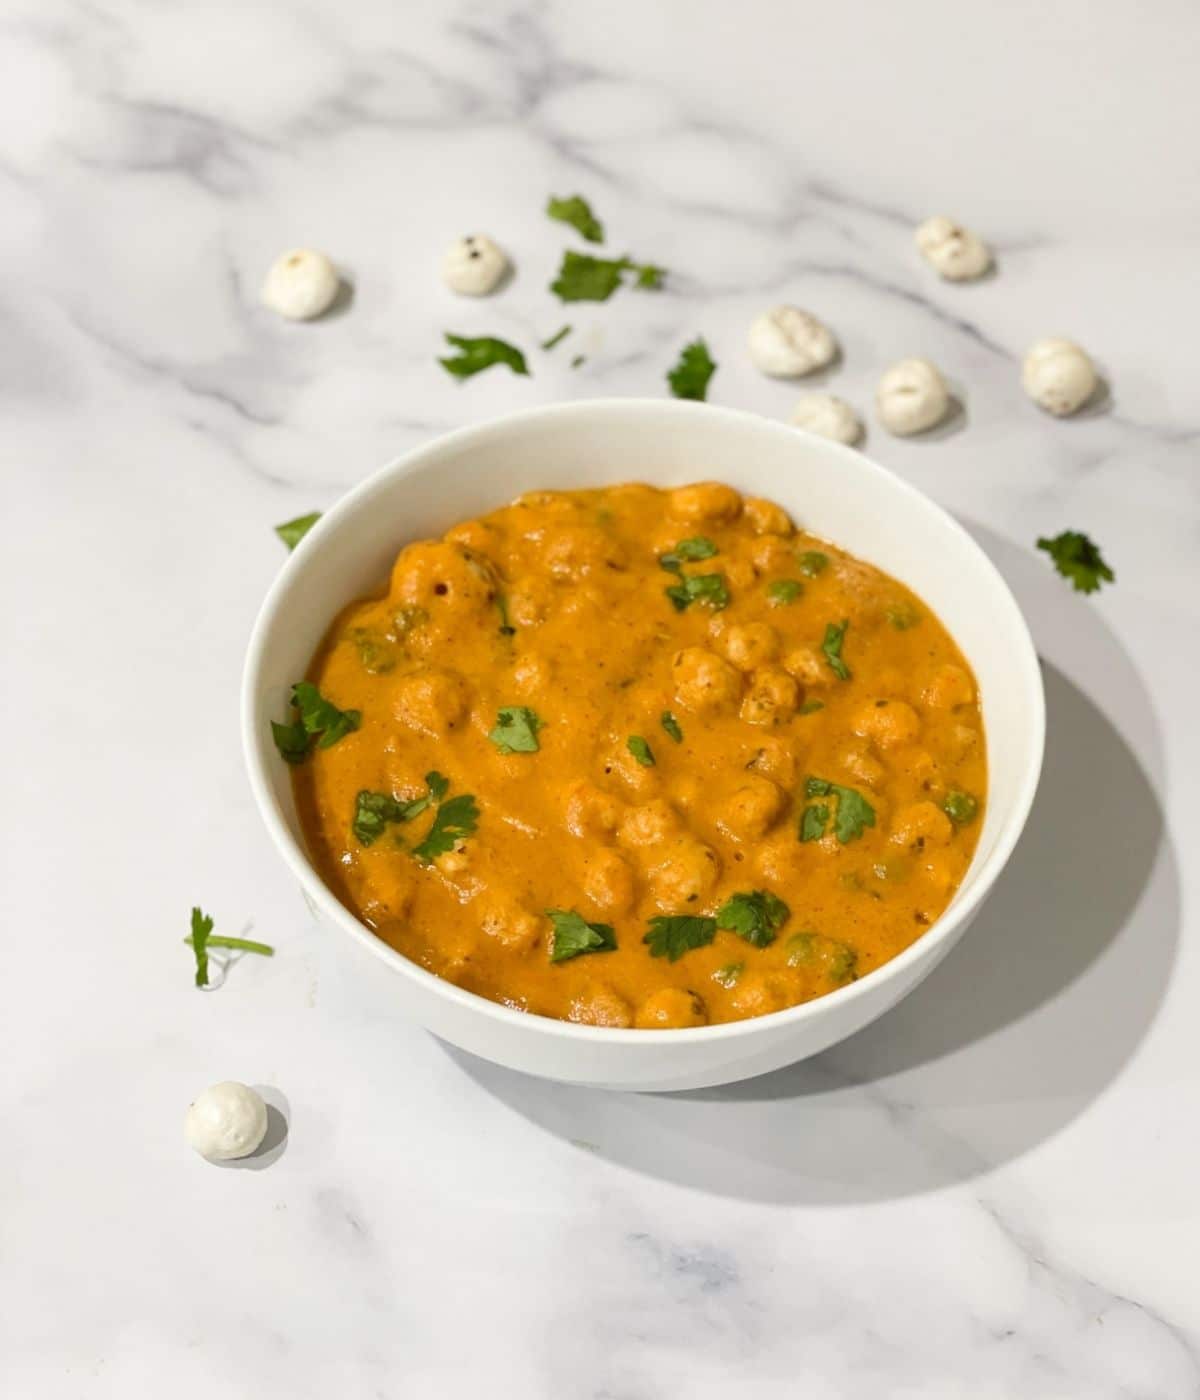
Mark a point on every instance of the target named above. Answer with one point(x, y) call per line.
point(993, 1191)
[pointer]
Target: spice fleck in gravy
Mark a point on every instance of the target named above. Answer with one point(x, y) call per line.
point(633, 757)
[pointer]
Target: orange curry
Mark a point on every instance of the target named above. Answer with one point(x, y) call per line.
point(634, 757)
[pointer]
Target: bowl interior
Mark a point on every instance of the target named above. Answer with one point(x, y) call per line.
point(832, 490)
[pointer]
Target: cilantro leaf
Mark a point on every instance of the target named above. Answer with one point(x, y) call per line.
point(478, 353)
point(837, 960)
point(756, 915)
point(455, 820)
point(854, 812)
point(671, 935)
point(1078, 558)
point(960, 807)
point(783, 591)
point(641, 750)
point(671, 725)
point(813, 821)
point(585, 278)
point(694, 368)
point(318, 721)
point(202, 926)
point(574, 935)
point(291, 532)
point(558, 336)
point(902, 615)
point(373, 810)
point(835, 635)
point(708, 589)
point(576, 211)
point(812, 562)
point(650, 278)
point(516, 730)
point(697, 547)
point(810, 707)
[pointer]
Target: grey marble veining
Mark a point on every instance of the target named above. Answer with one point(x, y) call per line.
point(991, 1192)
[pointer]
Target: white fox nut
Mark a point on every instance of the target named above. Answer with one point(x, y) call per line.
point(226, 1121)
point(958, 254)
point(473, 266)
point(828, 416)
point(911, 397)
point(301, 284)
point(787, 343)
point(1059, 376)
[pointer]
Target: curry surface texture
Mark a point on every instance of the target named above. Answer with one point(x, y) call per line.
point(803, 728)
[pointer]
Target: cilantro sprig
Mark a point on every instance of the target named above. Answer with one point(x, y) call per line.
point(202, 939)
point(782, 591)
point(961, 807)
point(291, 532)
point(686, 552)
point(671, 725)
point(1078, 559)
point(477, 353)
point(318, 723)
point(671, 935)
point(573, 935)
point(454, 822)
point(854, 813)
point(689, 377)
point(576, 211)
point(755, 915)
point(708, 589)
point(812, 562)
point(641, 750)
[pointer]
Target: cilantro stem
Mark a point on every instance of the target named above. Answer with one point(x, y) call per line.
point(245, 945)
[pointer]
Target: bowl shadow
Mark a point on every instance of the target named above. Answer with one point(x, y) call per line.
point(1023, 1025)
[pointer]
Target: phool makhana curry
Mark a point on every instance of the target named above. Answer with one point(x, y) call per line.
point(634, 757)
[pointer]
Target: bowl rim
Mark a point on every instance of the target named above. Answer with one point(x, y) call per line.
point(256, 751)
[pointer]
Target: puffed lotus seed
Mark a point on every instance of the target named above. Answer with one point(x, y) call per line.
point(911, 398)
point(1059, 376)
point(828, 416)
point(474, 266)
point(787, 343)
point(958, 254)
point(301, 284)
point(228, 1120)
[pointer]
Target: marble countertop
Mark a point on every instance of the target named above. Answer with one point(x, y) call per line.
point(991, 1192)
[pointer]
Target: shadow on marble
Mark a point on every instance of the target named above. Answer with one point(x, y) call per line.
point(1009, 1039)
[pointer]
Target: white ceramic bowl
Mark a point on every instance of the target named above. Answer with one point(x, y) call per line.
point(833, 491)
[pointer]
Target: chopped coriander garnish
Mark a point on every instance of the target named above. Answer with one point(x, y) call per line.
point(578, 360)
point(576, 211)
point(516, 730)
point(641, 750)
point(478, 353)
point(783, 591)
point(960, 807)
point(812, 562)
point(835, 635)
point(708, 589)
point(728, 975)
point(902, 615)
point(291, 532)
point(376, 653)
point(671, 935)
point(650, 278)
point(854, 812)
point(671, 725)
point(583, 277)
point(695, 547)
point(1078, 559)
point(837, 960)
point(374, 810)
point(574, 935)
point(810, 707)
point(455, 820)
point(756, 915)
point(558, 336)
point(694, 368)
point(318, 721)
